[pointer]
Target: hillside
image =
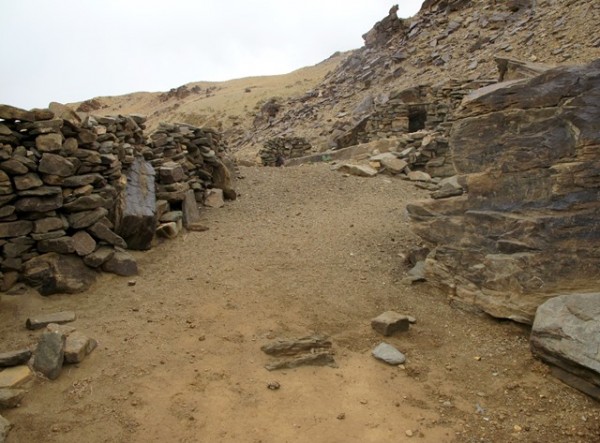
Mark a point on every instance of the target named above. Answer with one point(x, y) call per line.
point(446, 40)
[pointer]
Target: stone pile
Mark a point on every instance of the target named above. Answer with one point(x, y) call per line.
point(279, 149)
point(76, 192)
point(186, 157)
point(59, 178)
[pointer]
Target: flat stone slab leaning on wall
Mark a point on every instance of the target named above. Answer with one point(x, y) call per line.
point(77, 191)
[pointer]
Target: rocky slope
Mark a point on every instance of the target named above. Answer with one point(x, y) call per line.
point(447, 40)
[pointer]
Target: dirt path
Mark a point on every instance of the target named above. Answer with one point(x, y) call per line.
point(302, 250)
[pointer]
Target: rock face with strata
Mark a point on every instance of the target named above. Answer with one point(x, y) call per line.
point(528, 152)
point(566, 335)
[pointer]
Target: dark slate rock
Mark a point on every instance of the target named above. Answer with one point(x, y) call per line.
point(42, 320)
point(121, 263)
point(15, 229)
point(86, 179)
point(48, 224)
point(56, 165)
point(27, 181)
point(53, 273)
point(98, 257)
point(138, 219)
point(566, 335)
point(39, 204)
point(49, 354)
point(102, 232)
point(85, 203)
point(62, 245)
point(14, 167)
point(83, 243)
point(80, 220)
point(15, 358)
point(191, 214)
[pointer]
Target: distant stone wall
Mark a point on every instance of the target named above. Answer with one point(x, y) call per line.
point(423, 109)
point(62, 183)
point(279, 149)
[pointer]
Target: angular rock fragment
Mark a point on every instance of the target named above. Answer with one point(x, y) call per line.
point(42, 320)
point(77, 347)
point(10, 398)
point(121, 263)
point(49, 354)
point(390, 322)
point(389, 354)
point(15, 376)
point(53, 273)
point(14, 358)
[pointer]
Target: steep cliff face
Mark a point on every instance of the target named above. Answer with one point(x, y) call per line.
point(528, 153)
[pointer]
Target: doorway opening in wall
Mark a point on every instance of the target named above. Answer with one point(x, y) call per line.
point(417, 117)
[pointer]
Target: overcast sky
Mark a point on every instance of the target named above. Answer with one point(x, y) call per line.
point(72, 50)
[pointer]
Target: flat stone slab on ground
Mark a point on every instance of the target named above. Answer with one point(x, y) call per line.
point(389, 354)
point(15, 358)
point(43, 320)
point(15, 376)
point(359, 170)
point(11, 398)
point(49, 354)
point(390, 322)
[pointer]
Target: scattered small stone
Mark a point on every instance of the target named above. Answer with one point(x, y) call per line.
point(388, 354)
point(517, 428)
point(390, 322)
point(341, 416)
point(273, 385)
point(44, 320)
point(131, 283)
point(409, 433)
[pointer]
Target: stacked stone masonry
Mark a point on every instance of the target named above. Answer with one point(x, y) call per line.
point(279, 149)
point(62, 189)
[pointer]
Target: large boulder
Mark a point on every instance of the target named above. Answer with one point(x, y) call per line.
point(528, 152)
point(566, 335)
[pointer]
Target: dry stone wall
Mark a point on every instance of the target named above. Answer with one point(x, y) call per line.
point(279, 149)
point(63, 182)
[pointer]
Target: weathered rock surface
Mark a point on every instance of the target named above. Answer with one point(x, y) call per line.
point(527, 228)
point(53, 273)
point(566, 335)
point(389, 354)
point(390, 322)
point(121, 263)
point(78, 346)
point(138, 220)
point(15, 376)
point(49, 354)
point(14, 358)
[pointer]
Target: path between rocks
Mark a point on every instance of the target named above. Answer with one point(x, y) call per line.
point(303, 250)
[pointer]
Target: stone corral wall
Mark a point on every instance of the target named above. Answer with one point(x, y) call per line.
point(279, 149)
point(528, 154)
point(62, 190)
point(422, 116)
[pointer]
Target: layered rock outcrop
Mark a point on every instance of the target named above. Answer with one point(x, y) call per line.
point(528, 154)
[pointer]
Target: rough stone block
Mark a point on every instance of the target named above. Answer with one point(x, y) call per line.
point(10, 398)
point(49, 354)
point(15, 376)
point(390, 322)
point(138, 219)
point(121, 263)
point(15, 358)
point(77, 347)
point(214, 198)
point(98, 257)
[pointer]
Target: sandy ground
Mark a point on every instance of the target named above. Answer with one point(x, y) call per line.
point(303, 250)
